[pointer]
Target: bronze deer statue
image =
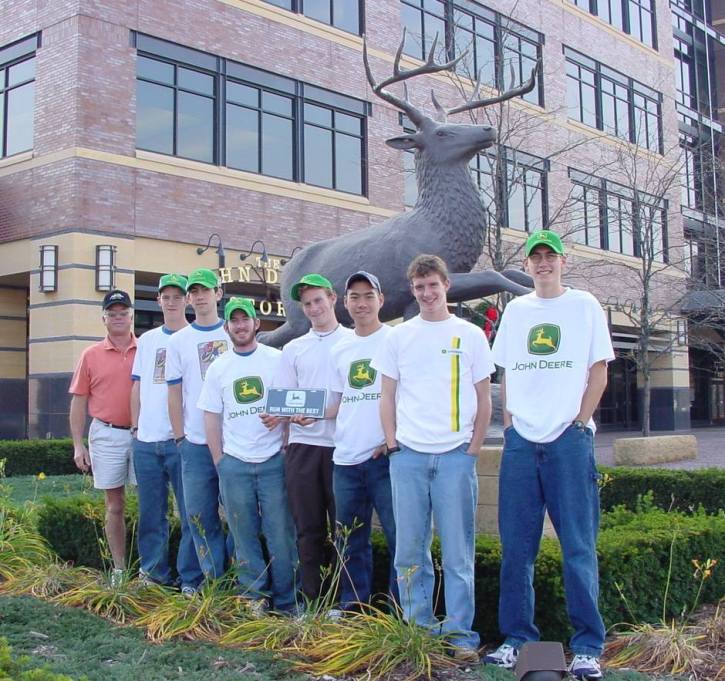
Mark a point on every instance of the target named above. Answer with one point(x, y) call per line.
point(447, 220)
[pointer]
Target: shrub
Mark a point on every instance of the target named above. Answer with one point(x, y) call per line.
point(30, 457)
point(17, 668)
point(676, 489)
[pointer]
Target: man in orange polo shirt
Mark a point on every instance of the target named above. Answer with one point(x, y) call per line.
point(101, 386)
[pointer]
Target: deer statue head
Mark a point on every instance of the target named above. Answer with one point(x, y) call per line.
point(440, 142)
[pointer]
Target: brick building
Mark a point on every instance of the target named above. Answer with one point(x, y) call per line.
point(133, 135)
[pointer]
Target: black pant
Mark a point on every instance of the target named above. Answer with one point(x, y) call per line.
point(308, 473)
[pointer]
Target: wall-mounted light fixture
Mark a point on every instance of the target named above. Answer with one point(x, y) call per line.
point(284, 261)
point(221, 256)
point(263, 259)
point(681, 331)
point(48, 268)
point(105, 267)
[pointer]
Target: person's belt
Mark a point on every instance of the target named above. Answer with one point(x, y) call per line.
point(113, 425)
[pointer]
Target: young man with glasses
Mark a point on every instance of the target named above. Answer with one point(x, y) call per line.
point(554, 346)
point(101, 387)
point(155, 455)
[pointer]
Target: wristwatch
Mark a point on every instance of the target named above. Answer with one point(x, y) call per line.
point(178, 440)
point(134, 430)
point(579, 424)
point(391, 450)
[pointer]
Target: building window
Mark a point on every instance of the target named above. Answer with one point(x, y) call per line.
point(613, 217)
point(494, 44)
point(635, 17)
point(343, 14)
point(610, 101)
point(333, 148)
point(175, 109)
point(198, 106)
point(17, 95)
point(521, 189)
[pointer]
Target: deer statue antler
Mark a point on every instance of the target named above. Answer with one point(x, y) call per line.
point(399, 76)
point(474, 103)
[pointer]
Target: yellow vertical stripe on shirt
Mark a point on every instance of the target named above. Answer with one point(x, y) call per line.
point(456, 386)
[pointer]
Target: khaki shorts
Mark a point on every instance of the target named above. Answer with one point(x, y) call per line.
point(111, 456)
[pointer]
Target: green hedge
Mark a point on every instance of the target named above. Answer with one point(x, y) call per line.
point(633, 552)
point(30, 457)
point(672, 489)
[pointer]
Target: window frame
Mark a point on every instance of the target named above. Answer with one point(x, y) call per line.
point(504, 28)
point(12, 55)
point(595, 8)
point(228, 71)
point(609, 192)
point(634, 90)
point(298, 7)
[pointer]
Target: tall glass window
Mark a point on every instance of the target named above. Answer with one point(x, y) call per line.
point(17, 96)
point(636, 17)
point(342, 14)
point(201, 107)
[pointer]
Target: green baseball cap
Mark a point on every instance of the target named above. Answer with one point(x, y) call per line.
point(316, 280)
point(544, 237)
point(178, 280)
point(202, 276)
point(246, 305)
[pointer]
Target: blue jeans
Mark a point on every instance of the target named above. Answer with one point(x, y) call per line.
point(157, 465)
point(559, 476)
point(201, 494)
point(444, 488)
point(358, 489)
point(255, 501)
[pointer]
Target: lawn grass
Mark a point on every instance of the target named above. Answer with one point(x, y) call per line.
point(76, 643)
point(24, 488)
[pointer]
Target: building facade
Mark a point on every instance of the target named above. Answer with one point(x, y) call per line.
point(144, 137)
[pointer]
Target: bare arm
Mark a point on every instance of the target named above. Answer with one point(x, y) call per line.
point(213, 428)
point(507, 420)
point(176, 410)
point(483, 415)
point(78, 408)
point(387, 410)
point(135, 403)
point(595, 389)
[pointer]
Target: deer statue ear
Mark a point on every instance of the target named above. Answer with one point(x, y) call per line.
point(403, 142)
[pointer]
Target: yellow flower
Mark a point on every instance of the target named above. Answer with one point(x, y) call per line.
point(41, 476)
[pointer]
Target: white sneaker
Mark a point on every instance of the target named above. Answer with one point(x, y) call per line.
point(334, 614)
point(188, 591)
point(585, 667)
point(117, 577)
point(504, 656)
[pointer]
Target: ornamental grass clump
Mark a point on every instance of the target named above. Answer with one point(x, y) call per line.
point(47, 581)
point(21, 547)
point(121, 603)
point(206, 616)
point(377, 643)
point(679, 646)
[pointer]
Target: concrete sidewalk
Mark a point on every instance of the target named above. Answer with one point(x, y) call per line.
point(710, 447)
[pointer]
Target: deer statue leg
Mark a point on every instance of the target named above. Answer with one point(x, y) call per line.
point(296, 325)
point(471, 285)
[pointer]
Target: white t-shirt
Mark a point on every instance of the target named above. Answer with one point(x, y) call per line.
point(149, 367)
point(189, 355)
point(236, 386)
point(547, 346)
point(306, 364)
point(358, 430)
point(436, 365)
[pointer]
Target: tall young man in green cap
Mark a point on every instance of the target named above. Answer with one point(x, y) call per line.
point(554, 346)
point(155, 456)
point(249, 460)
point(306, 364)
point(190, 353)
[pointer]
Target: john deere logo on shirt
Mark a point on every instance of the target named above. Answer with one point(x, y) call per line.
point(361, 374)
point(248, 389)
point(544, 339)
